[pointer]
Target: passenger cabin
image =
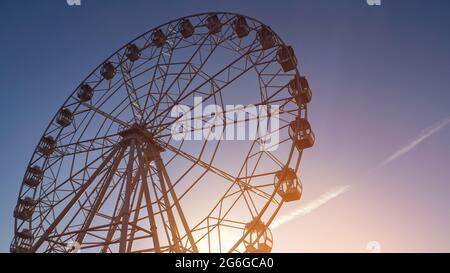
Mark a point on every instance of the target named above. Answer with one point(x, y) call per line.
point(23, 241)
point(133, 52)
point(301, 133)
point(241, 27)
point(266, 37)
point(19, 249)
point(85, 93)
point(47, 146)
point(186, 28)
point(288, 185)
point(258, 237)
point(213, 24)
point(286, 58)
point(158, 38)
point(24, 209)
point(64, 117)
point(108, 71)
point(299, 90)
point(33, 176)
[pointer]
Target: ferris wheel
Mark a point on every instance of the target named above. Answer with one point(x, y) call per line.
point(108, 175)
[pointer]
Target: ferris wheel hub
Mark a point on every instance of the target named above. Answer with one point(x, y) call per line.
point(136, 132)
point(139, 134)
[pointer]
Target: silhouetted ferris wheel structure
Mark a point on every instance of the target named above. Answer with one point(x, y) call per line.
point(107, 175)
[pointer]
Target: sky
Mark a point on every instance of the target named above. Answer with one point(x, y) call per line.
point(380, 109)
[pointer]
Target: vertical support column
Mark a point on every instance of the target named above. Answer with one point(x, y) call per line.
point(168, 207)
point(136, 218)
point(144, 165)
point(126, 202)
point(164, 178)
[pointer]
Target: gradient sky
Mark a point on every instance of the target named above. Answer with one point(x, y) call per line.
point(380, 76)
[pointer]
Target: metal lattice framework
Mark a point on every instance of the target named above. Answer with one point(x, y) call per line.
point(108, 176)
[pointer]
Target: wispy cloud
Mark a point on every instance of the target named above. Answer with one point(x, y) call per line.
point(416, 141)
point(332, 194)
point(311, 206)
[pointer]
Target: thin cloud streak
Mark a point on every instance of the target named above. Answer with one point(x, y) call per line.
point(311, 206)
point(413, 143)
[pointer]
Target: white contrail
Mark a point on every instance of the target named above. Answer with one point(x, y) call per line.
point(309, 207)
point(413, 143)
point(328, 196)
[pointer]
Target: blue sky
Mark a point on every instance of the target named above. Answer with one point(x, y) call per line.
point(380, 75)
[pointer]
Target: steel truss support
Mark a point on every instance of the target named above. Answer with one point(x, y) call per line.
point(141, 153)
point(165, 179)
point(125, 213)
point(144, 167)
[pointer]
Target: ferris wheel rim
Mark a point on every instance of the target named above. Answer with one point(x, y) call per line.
point(124, 47)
